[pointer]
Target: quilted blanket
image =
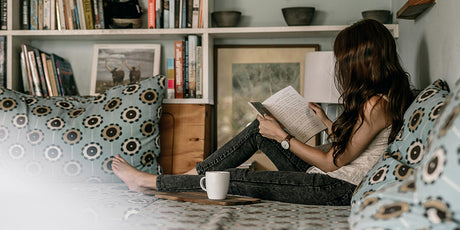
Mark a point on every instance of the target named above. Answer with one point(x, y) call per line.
point(113, 206)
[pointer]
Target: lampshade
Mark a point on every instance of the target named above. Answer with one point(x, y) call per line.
point(319, 84)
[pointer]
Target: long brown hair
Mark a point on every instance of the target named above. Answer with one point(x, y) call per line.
point(367, 64)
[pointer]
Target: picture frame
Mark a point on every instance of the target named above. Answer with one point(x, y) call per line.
point(117, 64)
point(246, 73)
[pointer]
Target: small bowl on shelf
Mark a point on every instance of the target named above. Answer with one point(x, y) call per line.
point(382, 16)
point(298, 16)
point(228, 18)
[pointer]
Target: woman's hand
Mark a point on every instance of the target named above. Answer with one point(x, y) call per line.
point(270, 128)
point(319, 112)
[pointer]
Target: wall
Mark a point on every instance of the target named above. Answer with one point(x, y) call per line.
point(429, 46)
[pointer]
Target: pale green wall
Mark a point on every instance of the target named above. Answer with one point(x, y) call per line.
point(429, 46)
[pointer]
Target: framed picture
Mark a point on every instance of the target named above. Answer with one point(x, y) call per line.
point(246, 73)
point(116, 64)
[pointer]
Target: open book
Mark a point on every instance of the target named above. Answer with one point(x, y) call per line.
point(292, 112)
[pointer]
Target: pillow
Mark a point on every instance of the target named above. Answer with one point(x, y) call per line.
point(407, 151)
point(429, 198)
point(75, 138)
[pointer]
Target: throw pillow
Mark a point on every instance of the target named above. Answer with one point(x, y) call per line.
point(407, 151)
point(76, 138)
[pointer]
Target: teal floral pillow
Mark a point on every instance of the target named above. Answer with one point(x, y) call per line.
point(75, 138)
point(430, 197)
point(407, 151)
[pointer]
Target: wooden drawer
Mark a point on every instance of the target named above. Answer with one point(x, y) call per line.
point(185, 136)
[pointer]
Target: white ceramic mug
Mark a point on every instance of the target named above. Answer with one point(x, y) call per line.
point(216, 184)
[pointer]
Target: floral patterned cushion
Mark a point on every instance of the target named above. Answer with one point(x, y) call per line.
point(407, 151)
point(430, 197)
point(75, 138)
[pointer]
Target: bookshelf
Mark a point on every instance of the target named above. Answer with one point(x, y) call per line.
point(76, 45)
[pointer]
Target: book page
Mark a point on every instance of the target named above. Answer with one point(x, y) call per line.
point(292, 111)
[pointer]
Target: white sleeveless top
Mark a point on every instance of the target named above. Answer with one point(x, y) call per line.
point(357, 169)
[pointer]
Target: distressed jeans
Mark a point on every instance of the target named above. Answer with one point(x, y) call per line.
point(290, 184)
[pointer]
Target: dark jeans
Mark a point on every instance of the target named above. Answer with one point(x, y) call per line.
point(290, 184)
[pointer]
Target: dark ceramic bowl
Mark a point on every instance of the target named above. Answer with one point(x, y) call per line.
point(226, 18)
point(298, 16)
point(382, 16)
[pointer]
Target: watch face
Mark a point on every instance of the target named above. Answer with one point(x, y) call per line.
point(285, 144)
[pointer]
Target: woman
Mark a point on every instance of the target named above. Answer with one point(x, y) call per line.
point(375, 91)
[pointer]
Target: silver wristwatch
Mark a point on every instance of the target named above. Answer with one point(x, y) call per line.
point(285, 143)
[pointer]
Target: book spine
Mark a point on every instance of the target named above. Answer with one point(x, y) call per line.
point(52, 14)
point(49, 84)
point(151, 13)
point(81, 14)
point(88, 12)
point(178, 56)
point(51, 74)
point(100, 9)
point(25, 55)
point(159, 14)
point(44, 84)
point(183, 14)
point(25, 16)
point(60, 18)
point(192, 44)
point(166, 13)
point(195, 13)
point(200, 17)
point(33, 14)
point(25, 77)
point(189, 14)
point(185, 72)
point(3, 14)
point(177, 10)
point(34, 74)
point(199, 72)
point(97, 24)
point(56, 74)
point(171, 76)
point(68, 14)
point(46, 14)
point(40, 15)
point(172, 11)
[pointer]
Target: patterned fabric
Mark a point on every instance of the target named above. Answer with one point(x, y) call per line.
point(407, 151)
point(430, 197)
point(75, 138)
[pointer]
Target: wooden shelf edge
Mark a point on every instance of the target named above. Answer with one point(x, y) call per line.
point(413, 8)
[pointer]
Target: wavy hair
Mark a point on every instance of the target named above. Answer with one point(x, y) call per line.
point(367, 64)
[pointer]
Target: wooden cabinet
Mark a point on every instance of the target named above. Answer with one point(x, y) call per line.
point(185, 136)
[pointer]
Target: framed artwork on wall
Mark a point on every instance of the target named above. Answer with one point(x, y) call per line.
point(252, 73)
point(117, 64)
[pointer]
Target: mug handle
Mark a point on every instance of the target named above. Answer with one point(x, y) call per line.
point(202, 183)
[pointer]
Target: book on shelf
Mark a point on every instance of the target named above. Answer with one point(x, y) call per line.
point(3, 14)
point(45, 10)
point(25, 20)
point(65, 74)
point(165, 13)
point(291, 110)
point(88, 14)
point(171, 78)
point(159, 14)
point(45, 86)
point(34, 15)
point(49, 74)
point(151, 14)
point(196, 13)
point(177, 10)
point(199, 72)
point(191, 65)
point(100, 9)
point(178, 57)
point(25, 78)
point(38, 88)
point(189, 14)
point(172, 10)
point(185, 66)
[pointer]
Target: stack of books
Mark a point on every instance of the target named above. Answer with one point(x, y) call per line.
point(175, 14)
point(45, 74)
point(185, 70)
point(62, 14)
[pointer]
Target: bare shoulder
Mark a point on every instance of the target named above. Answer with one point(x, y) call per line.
point(375, 111)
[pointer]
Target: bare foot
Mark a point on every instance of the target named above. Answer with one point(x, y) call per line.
point(135, 179)
point(192, 172)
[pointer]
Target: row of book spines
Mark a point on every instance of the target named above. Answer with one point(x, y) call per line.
point(163, 14)
point(41, 73)
point(185, 78)
point(62, 14)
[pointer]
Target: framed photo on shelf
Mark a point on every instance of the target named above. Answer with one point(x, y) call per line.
point(246, 73)
point(117, 64)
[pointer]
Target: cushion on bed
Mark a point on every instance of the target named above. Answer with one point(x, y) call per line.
point(75, 138)
point(407, 151)
point(429, 198)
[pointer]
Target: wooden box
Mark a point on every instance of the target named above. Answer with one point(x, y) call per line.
point(185, 136)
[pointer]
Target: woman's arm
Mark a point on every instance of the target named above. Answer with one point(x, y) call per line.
point(319, 112)
point(375, 119)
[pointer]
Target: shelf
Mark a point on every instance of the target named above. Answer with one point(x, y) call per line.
point(188, 101)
